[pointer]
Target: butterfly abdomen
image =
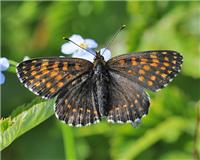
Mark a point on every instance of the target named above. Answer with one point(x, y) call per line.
point(101, 80)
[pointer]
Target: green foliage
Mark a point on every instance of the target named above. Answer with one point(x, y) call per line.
point(35, 29)
point(23, 119)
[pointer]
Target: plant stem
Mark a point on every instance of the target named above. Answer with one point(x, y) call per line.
point(14, 63)
point(12, 67)
point(196, 155)
point(68, 138)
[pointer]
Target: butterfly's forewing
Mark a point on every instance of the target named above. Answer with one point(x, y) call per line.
point(47, 76)
point(127, 101)
point(76, 105)
point(151, 69)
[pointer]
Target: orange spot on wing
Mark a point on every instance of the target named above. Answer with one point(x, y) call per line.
point(150, 83)
point(153, 78)
point(166, 63)
point(33, 73)
point(53, 73)
point(69, 106)
point(163, 68)
point(154, 64)
point(32, 67)
point(65, 66)
point(59, 77)
point(121, 62)
point(146, 67)
point(37, 84)
point(141, 71)
point(143, 61)
point(45, 72)
point(133, 62)
point(163, 75)
point(130, 72)
point(168, 71)
point(48, 85)
point(153, 56)
point(45, 63)
point(52, 90)
point(60, 84)
point(166, 59)
point(37, 76)
point(135, 101)
point(174, 62)
point(43, 80)
point(155, 60)
point(77, 67)
point(141, 78)
point(157, 72)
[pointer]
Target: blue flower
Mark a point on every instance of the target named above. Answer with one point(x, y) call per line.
point(77, 52)
point(4, 64)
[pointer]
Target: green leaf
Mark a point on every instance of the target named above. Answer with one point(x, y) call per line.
point(19, 123)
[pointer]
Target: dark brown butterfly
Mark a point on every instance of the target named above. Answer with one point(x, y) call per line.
point(86, 92)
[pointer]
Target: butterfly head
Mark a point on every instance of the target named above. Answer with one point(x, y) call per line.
point(98, 56)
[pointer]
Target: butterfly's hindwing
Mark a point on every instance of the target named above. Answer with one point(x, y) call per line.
point(47, 76)
point(152, 69)
point(76, 104)
point(127, 101)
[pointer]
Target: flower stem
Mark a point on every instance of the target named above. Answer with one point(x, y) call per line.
point(68, 139)
point(12, 67)
point(14, 63)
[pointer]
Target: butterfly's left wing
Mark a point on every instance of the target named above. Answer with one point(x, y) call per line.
point(76, 105)
point(47, 76)
point(151, 69)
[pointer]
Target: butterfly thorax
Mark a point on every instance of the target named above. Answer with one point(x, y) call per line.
point(101, 79)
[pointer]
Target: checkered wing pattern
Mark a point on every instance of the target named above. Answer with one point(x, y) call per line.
point(76, 104)
point(128, 101)
point(48, 76)
point(151, 69)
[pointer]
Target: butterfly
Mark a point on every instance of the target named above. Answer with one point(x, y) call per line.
point(87, 92)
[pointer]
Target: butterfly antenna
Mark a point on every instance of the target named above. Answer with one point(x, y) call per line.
point(65, 38)
point(113, 37)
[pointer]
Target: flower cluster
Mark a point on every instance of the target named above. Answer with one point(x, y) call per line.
point(4, 64)
point(89, 44)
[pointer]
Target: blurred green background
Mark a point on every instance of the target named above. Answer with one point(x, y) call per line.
point(35, 29)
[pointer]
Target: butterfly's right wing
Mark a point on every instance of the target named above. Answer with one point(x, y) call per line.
point(76, 105)
point(151, 69)
point(127, 100)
